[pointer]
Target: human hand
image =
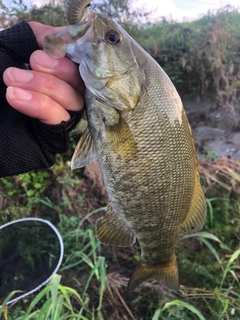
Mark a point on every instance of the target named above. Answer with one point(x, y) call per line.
point(52, 87)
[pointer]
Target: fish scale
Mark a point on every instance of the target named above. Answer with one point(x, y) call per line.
point(139, 132)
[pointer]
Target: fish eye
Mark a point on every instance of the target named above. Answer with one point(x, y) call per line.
point(113, 37)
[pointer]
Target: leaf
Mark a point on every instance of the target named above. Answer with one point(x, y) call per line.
point(211, 248)
point(234, 256)
point(233, 273)
point(184, 305)
point(54, 283)
point(228, 268)
point(37, 185)
point(36, 300)
point(30, 192)
point(157, 314)
point(202, 234)
point(2, 307)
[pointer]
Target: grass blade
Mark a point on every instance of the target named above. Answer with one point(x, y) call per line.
point(228, 268)
point(184, 305)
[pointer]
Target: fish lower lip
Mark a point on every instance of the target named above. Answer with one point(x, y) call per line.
point(102, 74)
point(95, 76)
point(90, 78)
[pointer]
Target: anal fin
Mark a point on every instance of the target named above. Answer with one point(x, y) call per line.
point(113, 231)
point(167, 274)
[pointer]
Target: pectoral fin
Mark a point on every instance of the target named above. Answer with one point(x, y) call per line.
point(121, 139)
point(113, 231)
point(167, 274)
point(195, 218)
point(85, 152)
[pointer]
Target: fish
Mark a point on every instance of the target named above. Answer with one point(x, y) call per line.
point(139, 132)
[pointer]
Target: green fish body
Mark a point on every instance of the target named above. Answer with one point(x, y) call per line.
point(139, 132)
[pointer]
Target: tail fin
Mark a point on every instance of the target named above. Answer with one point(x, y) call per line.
point(167, 274)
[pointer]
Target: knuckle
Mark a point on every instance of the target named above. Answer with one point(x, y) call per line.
point(51, 83)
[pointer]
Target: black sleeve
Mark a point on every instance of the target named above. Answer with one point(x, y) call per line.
point(26, 143)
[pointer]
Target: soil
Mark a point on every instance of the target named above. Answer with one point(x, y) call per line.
point(216, 129)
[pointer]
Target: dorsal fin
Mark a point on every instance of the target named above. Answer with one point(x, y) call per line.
point(196, 216)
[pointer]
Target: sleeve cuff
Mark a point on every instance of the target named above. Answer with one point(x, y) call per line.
point(19, 41)
point(54, 138)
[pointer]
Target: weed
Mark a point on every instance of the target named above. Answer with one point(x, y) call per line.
point(57, 304)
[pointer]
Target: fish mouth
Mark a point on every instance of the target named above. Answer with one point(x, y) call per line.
point(99, 74)
point(103, 73)
point(99, 78)
point(91, 79)
point(96, 85)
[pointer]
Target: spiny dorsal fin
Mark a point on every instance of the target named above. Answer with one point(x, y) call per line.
point(195, 218)
point(113, 231)
point(85, 152)
point(167, 274)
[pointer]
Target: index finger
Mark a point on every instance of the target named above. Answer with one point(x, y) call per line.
point(62, 68)
point(41, 30)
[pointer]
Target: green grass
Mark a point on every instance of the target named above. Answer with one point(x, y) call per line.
point(94, 277)
point(93, 293)
point(53, 302)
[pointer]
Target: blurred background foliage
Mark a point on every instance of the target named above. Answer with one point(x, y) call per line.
point(201, 57)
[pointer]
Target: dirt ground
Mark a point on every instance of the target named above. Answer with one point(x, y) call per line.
point(216, 129)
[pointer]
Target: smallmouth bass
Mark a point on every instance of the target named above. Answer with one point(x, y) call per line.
point(139, 132)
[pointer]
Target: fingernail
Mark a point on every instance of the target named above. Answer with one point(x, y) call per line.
point(19, 75)
point(18, 94)
point(45, 60)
